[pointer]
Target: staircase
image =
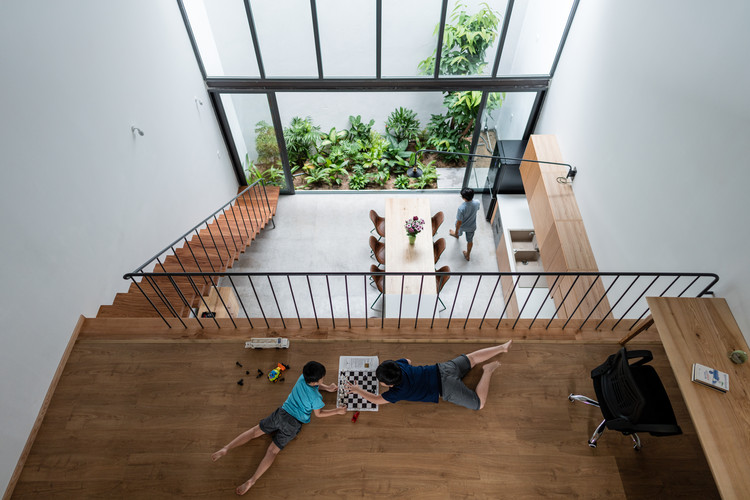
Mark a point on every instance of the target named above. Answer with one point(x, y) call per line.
point(214, 246)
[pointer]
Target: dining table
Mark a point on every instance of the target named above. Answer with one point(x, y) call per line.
point(405, 296)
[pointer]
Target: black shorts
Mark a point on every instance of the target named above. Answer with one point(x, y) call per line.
point(285, 426)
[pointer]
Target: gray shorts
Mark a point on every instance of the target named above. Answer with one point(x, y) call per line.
point(469, 236)
point(454, 389)
point(283, 424)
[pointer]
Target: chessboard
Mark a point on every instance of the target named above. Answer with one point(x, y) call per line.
point(358, 370)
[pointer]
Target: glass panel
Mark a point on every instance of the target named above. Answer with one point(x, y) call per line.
point(472, 32)
point(285, 36)
point(478, 179)
point(509, 121)
point(408, 36)
point(251, 125)
point(534, 34)
point(347, 37)
point(222, 34)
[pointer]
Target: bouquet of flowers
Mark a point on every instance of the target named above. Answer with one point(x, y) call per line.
point(414, 226)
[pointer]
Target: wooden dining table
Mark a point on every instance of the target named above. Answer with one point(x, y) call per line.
point(400, 256)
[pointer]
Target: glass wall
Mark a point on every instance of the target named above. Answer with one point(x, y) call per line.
point(254, 137)
point(409, 36)
point(222, 34)
point(347, 38)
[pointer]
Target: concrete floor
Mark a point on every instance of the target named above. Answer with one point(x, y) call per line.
point(329, 232)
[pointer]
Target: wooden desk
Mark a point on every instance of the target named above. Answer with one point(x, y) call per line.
point(402, 257)
point(704, 331)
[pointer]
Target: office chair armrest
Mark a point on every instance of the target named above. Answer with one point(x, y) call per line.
point(645, 356)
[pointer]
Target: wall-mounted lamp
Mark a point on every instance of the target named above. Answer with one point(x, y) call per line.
point(136, 130)
point(198, 102)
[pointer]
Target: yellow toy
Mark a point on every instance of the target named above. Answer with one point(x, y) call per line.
point(273, 375)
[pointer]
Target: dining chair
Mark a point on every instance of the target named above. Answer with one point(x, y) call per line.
point(441, 281)
point(378, 281)
point(438, 247)
point(437, 219)
point(378, 250)
point(379, 223)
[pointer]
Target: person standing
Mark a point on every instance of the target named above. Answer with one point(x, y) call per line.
point(466, 220)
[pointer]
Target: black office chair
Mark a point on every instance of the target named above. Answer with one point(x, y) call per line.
point(631, 397)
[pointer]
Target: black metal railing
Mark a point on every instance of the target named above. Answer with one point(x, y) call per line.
point(572, 171)
point(343, 296)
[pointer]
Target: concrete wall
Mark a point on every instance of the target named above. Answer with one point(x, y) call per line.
point(82, 200)
point(650, 103)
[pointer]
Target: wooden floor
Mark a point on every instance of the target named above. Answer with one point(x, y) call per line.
point(140, 418)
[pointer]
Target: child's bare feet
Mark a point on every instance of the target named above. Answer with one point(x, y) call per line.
point(217, 455)
point(491, 367)
point(244, 487)
point(506, 346)
point(453, 233)
point(466, 255)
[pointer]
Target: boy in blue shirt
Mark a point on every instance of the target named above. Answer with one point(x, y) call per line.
point(430, 382)
point(286, 422)
point(466, 220)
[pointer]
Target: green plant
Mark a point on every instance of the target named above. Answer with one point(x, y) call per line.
point(301, 139)
point(358, 181)
point(466, 39)
point(271, 175)
point(266, 145)
point(359, 130)
point(429, 176)
point(402, 125)
point(331, 139)
point(445, 137)
point(402, 182)
point(315, 175)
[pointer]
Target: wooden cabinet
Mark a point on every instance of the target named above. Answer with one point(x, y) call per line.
point(563, 243)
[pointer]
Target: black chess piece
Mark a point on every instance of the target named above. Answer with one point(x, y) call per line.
point(247, 372)
point(241, 382)
point(285, 366)
point(238, 364)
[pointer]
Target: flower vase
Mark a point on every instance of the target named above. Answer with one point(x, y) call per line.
point(412, 238)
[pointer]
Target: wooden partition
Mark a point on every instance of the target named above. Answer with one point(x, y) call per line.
point(561, 235)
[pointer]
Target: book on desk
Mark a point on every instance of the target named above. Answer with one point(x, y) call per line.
point(710, 377)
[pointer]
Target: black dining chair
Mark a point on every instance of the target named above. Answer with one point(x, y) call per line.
point(631, 397)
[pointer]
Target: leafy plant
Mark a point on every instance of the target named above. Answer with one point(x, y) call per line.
point(359, 130)
point(429, 176)
point(402, 125)
point(315, 175)
point(358, 181)
point(445, 137)
point(466, 39)
point(301, 139)
point(402, 182)
point(271, 175)
point(332, 138)
point(266, 145)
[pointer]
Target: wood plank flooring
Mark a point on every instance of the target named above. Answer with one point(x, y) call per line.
point(138, 419)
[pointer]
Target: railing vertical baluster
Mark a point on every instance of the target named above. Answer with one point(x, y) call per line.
point(526, 301)
point(401, 300)
point(660, 295)
point(195, 289)
point(686, 288)
point(618, 301)
point(261, 208)
point(260, 306)
point(184, 300)
point(346, 290)
point(419, 301)
point(249, 216)
point(155, 287)
point(258, 218)
point(546, 297)
point(242, 303)
point(189, 247)
point(455, 298)
point(562, 301)
point(208, 258)
point(273, 292)
point(178, 259)
point(489, 302)
point(152, 304)
point(364, 283)
point(330, 301)
point(237, 225)
point(216, 247)
point(268, 204)
point(580, 302)
point(231, 233)
point(518, 278)
point(312, 301)
point(238, 208)
point(294, 300)
point(600, 300)
point(634, 303)
point(221, 233)
point(437, 299)
point(468, 313)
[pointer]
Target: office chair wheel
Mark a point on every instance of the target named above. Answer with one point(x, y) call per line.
point(592, 445)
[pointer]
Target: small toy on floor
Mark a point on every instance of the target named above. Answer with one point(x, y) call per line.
point(238, 364)
point(273, 375)
point(260, 373)
point(241, 382)
point(355, 417)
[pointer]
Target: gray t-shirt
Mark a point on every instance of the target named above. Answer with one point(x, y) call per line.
point(467, 215)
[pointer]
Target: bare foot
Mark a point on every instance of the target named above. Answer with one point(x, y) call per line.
point(217, 455)
point(244, 487)
point(453, 233)
point(491, 367)
point(506, 346)
point(466, 255)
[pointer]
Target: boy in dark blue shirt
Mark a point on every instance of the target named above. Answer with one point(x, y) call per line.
point(286, 422)
point(430, 382)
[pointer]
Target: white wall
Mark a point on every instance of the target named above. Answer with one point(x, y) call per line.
point(650, 103)
point(82, 200)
